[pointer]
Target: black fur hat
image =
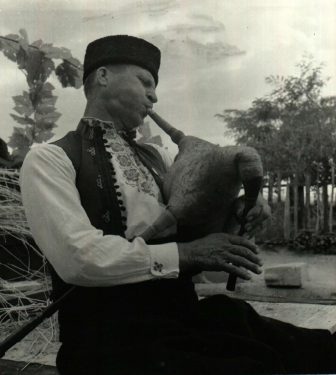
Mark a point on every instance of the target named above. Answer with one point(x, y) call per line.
point(119, 49)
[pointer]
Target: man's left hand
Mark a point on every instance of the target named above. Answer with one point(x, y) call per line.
point(255, 217)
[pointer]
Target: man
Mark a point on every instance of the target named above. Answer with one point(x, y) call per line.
point(90, 195)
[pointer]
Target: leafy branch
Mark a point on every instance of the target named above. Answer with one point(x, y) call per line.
point(35, 110)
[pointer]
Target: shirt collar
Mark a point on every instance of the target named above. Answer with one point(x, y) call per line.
point(110, 126)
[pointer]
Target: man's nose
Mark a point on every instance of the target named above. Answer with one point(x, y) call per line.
point(151, 95)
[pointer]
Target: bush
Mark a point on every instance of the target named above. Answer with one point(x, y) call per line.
point(307, 240)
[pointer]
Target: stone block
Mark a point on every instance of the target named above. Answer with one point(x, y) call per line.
point(289, 275)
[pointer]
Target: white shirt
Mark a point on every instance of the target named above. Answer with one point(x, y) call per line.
point(79, 252)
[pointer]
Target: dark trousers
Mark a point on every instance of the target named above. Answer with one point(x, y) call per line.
point(222, 336)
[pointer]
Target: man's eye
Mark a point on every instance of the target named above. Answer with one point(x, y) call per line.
point(145, 81)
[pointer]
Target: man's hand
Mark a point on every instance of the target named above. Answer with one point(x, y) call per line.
point(220, 252)
point(255, 217)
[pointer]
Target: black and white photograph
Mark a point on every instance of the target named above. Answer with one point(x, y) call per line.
point(167, 187)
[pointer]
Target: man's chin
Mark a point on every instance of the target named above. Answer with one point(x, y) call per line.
point(139, 123)
point(134, 124)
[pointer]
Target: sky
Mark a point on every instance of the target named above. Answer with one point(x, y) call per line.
point(215, 53)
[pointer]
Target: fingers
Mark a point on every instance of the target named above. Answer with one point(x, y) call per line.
point(221, 252)
point(255, 213)
point(245, 253)
point(252, 231)
point(255, 219)
point(239, 260)
point(219, 263)
point(238, 271)
point(238, 257)
point(244, 242)
point(242, 257)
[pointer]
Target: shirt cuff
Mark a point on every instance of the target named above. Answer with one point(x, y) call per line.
point(164, 260)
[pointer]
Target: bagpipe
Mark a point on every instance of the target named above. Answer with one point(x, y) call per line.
point(202, 185)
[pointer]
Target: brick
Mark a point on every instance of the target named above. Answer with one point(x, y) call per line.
point(289, 275)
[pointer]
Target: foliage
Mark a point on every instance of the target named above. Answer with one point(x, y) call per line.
point(307, 240)
point(293, 126)
point(257, 127)
point(294, 130)
point(35, 109)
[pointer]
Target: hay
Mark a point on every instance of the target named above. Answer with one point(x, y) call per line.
point(13, 222)
point(18, 305)
point(12, 217)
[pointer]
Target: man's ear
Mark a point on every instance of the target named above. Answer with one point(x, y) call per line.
point(102, 76)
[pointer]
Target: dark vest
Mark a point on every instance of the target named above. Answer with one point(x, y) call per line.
point(92, 310)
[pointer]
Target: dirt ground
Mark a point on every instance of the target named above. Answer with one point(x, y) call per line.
point(319, 286)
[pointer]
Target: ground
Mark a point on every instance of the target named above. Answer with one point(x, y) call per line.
point(319, 279)
point(317, 301)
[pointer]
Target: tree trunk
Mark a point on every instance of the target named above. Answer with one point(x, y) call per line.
point(331, 216)
point(270, 189)
point(308, 187)
point(287, 221)
point(325, 206)
point(318, 207)
point(279, 186)
point(301, 207)
point(296, 203)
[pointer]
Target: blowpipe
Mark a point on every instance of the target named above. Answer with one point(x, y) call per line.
point(175, 134)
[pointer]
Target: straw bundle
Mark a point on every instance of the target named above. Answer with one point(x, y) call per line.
point(14, 229)
point(19, 300)
point(12, 218)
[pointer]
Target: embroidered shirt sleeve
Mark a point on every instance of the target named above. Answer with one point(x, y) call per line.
point(79, 252)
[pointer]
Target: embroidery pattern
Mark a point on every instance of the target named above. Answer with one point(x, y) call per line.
point(99, 182)
point(106, 217)
point(133, 171)
point(158, 267)
point(91, 151)
point(91, 134)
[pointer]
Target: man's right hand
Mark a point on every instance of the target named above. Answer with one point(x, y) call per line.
point(220, 252)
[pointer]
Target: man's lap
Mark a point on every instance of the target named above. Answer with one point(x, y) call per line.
point(225, 334)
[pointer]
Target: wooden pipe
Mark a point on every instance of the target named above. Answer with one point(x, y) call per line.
point(252, 189)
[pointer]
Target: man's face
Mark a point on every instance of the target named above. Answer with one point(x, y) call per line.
point(129, 93)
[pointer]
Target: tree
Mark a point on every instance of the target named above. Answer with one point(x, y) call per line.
point(35, 109)
point(258, 127)
point(292, 128)
point(308, 123)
